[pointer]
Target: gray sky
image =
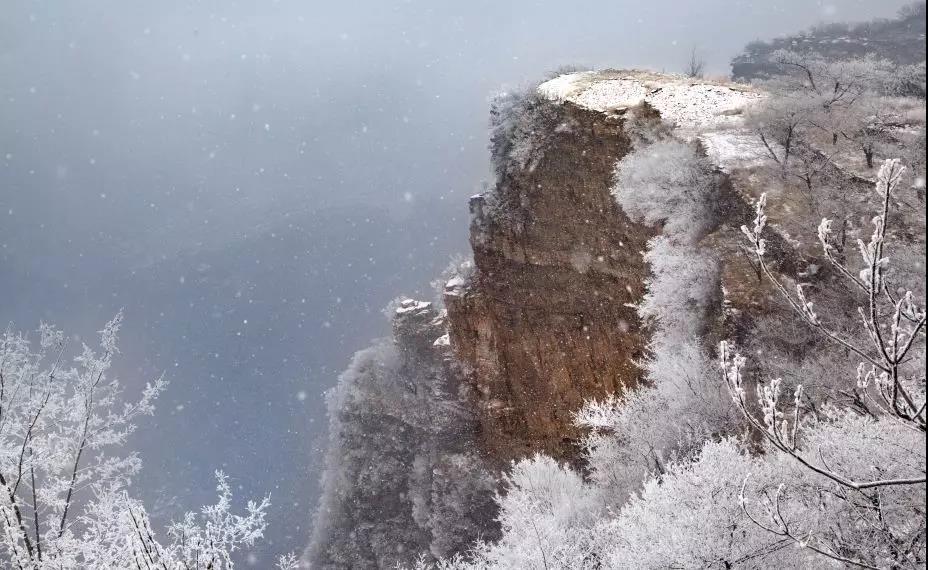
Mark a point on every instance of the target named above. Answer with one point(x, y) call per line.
point(252, 181)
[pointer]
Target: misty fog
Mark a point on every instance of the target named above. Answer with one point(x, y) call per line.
point(253, 181)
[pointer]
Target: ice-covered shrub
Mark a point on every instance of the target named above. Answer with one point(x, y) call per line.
point(669, 183)
point(546, 514)
point(682, 289)
point(65, 487)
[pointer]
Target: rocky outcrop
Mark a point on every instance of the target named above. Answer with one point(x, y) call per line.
point(548, 320)
point(403, 477)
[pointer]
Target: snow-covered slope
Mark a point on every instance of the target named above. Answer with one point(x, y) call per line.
point(711, 111)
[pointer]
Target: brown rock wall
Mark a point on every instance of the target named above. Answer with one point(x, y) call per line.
point(546, 322)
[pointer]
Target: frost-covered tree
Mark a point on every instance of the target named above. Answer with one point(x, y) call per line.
point(690, 517)
point(719, 509)
point(782, 124)
point(833, 84)
point(547, 514)
point(634, 436)
point(869, 482)
point(907, 81)
point(521, 120)
point(696, 65)
point(401, 478)
point(644, 126)
point(894, 322)
point(866, 126)
point(65, 500)
point(682, 289)
point(837, 99)
point(514, 134)
point(669, 183)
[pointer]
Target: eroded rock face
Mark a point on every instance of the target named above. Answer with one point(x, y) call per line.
point(546, 322)
point(403, 478)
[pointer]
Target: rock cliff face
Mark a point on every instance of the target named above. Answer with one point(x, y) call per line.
point(548, 319)
point(546, 322)
point(402, 477)
point(423, 423)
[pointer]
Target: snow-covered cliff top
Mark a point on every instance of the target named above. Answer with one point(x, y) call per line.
point(691, 104)
point(711, 111)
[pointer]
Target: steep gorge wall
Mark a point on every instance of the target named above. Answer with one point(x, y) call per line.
point(549, 320)
point(546, 323)
point(422, 422)
point(403, 478)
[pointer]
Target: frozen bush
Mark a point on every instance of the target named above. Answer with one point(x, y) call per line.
point(668, 182)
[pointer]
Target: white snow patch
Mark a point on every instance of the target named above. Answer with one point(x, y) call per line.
point(443, 340)
point(411, 305)
point(697, 107)
point(563, 87)
point(611, 94)
point(690, 105)
point(455, 286)
point(734, 149)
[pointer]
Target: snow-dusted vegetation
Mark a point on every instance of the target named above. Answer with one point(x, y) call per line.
point(696, 470)
point(401, 475)
point(808, 450)
point(669, 183)
point(688, 330)
point(65, 490)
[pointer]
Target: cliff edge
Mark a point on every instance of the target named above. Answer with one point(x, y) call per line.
point(548, 315)
point(548, 320)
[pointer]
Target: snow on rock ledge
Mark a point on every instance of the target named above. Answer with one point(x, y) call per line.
point(691, 104)
point(412, 306)
point(710, 111)
point(734, 149)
